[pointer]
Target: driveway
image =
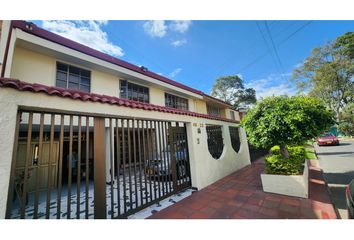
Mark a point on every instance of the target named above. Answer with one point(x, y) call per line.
point(337, 163)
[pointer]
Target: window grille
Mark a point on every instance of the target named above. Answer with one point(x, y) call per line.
point(235, 138)
point(215, 140)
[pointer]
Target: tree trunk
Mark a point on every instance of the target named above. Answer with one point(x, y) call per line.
point(284, 151)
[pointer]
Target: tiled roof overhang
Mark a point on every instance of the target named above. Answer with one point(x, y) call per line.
point(83, 96)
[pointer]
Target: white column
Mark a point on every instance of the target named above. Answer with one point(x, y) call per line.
point(7, 136)
point(194, 141)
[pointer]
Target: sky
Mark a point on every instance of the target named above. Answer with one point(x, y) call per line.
point(196, 53)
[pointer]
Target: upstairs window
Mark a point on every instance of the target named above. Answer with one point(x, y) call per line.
point(235, 138)
point(173, 101)
point(213, 111)
point(73, 77)
point(232, 114)
point(134, 92)
point(215, 140)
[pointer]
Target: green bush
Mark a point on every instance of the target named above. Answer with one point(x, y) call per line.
point(276, 164)
point(275, 150)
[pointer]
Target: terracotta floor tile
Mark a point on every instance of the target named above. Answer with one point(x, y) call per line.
point(240, 196)
point(199, 215)
point(255, 201)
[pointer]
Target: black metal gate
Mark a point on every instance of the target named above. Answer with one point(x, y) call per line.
point(180, 158)
point(72, 165)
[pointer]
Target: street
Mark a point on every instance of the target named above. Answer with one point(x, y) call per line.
point(337, 163)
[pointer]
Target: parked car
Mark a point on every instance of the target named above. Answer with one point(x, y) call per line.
point(161, 169)
point(327, 138)
point(349, 194)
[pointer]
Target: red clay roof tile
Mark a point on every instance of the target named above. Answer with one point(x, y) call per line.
point(83, 96)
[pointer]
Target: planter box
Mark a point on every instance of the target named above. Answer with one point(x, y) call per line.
point(291, 185)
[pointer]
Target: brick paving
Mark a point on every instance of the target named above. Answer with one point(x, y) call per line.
point(240, 196)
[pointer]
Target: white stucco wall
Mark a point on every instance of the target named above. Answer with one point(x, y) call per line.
point(204, 169)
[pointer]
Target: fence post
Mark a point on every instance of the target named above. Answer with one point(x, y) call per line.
point(99, 162)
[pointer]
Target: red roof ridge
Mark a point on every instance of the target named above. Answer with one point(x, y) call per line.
point(94, 97)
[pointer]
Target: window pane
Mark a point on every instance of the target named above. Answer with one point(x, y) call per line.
point(61, 75)
point(73, 85)
point(85, 88)
point(62, 67)
point(77, 78)
point(61, 84)
point(176, 102)
point(73, 78)
point(74, 70)
point(146, 98)
point(85, 81)
point(85, 73)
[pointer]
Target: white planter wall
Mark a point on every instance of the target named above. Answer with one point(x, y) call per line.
point(291, 185)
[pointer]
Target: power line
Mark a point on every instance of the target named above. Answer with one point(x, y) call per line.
point(269, 49)
point(298, 30)
point(275, 49)
point(281, 43)
point(250, 46)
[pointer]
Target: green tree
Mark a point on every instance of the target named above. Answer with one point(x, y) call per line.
point(345, 44)
point(286, 121)
point(328, 73)
point(346, 124)
point(231, 90)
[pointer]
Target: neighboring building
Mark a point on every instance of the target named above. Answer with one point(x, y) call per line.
point(85, 135)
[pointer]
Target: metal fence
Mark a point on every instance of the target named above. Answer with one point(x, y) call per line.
point(73, 165)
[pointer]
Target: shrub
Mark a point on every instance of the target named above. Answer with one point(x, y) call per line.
point(275, 150)
point(277, 164)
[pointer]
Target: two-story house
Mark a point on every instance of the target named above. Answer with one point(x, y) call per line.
point(87, 135)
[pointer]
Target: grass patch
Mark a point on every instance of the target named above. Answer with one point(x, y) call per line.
point(310, 153)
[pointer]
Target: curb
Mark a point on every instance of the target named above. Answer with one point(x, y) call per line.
point(327, 188)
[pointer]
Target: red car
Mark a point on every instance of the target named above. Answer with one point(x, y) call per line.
point(327, 138)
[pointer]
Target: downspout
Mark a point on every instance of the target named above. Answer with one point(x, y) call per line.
point(6, 50)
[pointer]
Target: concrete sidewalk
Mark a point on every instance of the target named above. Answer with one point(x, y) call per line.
point(240, 196)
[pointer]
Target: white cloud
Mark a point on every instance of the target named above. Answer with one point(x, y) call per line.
point(180, 26)
point(156, 28)
point(175, 72)
point(88, 33)
point(272, 85)
point(179, 43)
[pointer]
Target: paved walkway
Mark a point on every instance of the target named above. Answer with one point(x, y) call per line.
point(240, 196)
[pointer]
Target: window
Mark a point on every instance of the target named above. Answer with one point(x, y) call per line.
point(235, 138)
point(173, 101)
point(215, 140)
point(73, 77)
point(134, 92)
point(213, 111)
point(232, 114)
